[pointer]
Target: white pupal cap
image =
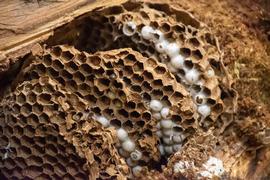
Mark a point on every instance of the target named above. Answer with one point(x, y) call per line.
point(166, 123)
point(122, 134)
point(156, 105)
point(192, 75)
point(103, 120)
point(136, 170)
point(204, 110)
point(161, 46)
point(158, 36)
point(178, 61)
point(128, 145)
point(147, 32)
point(173, 49)
point(129, 28)
point(165, 112)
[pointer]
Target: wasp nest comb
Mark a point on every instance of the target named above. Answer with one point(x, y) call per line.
point(114, 94)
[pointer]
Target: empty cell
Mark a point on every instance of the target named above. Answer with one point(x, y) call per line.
point(218, 108)
point(123, 113)
point(136, 88)
point(122, 95)
point(157, 83)
point(9, 163)
point(44, 98)
point(47, 60)
point(189, 131)
point(189, 122)
point(43, 118)
point(81, 57)
point(103, 83)
point(71, 67)
point(48, 169)
point(130, 105)
point(33, 74)
point(24, 151)
point(31, 98)
point(128, 71)
point(34, 161)
point(60, 169)
point(176, 118)
point(134, 114)
point(151, 62)
point(127, 81)
point(33, 120)
point(105, 101)
point(140, 123)
point(57, 65)
point(61, 80)
point(138, 67)
point(117, 103)
point(29, 131)
point(188, 64)
point(160, 70)
point(207, 122)
point(108, 113)
point(146, 86)
point(94, 60)
point(179, 28)
point(8, 131)
point(37, 109)
point(71, 85)
point(50, 159)
point(20, 99)
point(117, 85)
point(99, 72)
point(157, 93)
point(137, 78)
point(85, 69)
point(52, 73)
point(168, 90)
point(26, 109)
point(214, 64)
point(67, 56)
point(146, 96)
point(78, 77)
point(194, 41)
point(150, 50)
point(84, 89)
point(40, 69)
point(97, 92)
point(56, 51)
point(128, 125)
point(197, 54)
point(186, 52)
point(148, 76)
point(211, 102)
point(116, 123)
point(177, 96)
point(146, 116)
point(165, 27)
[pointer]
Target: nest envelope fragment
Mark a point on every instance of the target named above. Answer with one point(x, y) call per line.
point(108, 98)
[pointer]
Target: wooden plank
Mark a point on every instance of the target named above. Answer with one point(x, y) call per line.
point(26, 22)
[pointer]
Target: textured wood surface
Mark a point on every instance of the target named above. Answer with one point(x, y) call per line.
point(25, 22)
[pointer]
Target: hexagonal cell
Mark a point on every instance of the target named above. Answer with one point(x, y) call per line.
point(37, 109)
point(26, 109)
point(56, 51)
point(44, 99)
point(57, 65)
point(67, 56)
point(21, 99)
